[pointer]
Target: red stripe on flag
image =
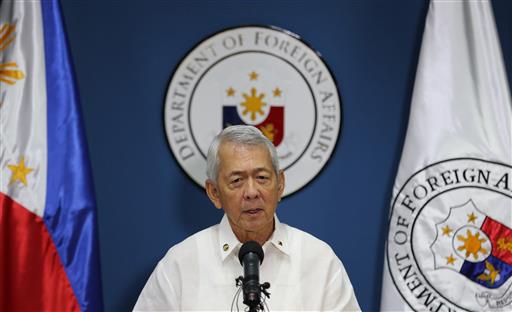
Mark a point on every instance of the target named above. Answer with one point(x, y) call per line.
point(32, 277)
point(501, 239)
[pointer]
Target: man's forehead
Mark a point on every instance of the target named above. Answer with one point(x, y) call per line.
point(232, 154)
point(235, 147)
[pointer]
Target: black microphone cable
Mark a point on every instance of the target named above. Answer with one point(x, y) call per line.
point(237, 295)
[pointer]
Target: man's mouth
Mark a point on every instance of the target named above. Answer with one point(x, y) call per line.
point(253, 211)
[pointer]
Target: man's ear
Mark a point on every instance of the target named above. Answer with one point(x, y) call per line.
point(280, 185)
point(213, 193)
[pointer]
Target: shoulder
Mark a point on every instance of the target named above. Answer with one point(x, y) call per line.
point(312, 252)
point(178, 267)
point(307, 243)
point(191, 247)
point(319, 266)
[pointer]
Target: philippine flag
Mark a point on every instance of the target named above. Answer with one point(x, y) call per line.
point(49, 258)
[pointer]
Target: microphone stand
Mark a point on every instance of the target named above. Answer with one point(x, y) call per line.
point(263, 289)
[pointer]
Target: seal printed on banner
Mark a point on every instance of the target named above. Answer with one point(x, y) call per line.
point(260, 76)
point(450, 240)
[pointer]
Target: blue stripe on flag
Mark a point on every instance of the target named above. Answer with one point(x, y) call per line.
point(70, 212)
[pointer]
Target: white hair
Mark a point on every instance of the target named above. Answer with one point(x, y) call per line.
point(241, 134)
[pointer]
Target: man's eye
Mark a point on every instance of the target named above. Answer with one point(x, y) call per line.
point(237, 180)
point(262, 177)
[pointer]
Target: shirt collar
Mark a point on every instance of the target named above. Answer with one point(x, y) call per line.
point(279, 238)
point(229, 243)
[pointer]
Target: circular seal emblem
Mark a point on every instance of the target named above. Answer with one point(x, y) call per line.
point(450, 240)
point(260, 76)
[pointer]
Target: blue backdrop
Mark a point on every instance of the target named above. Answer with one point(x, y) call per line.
point(125, 53)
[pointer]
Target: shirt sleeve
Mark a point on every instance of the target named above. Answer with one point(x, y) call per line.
point(339, 295)
point(158, 293)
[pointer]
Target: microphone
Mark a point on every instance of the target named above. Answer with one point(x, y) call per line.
point(251, 256)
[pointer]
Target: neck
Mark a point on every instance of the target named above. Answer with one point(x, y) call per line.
point(260, 236)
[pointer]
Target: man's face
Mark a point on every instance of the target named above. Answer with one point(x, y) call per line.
point(247, 188)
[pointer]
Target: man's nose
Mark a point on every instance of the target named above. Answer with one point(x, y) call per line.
point(251, 190)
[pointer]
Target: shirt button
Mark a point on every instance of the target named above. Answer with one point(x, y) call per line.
point(225, 247)
point(280, 243)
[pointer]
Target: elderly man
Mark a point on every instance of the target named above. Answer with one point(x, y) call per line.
point(199, 273)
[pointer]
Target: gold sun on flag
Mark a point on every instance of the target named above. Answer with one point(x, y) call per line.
point(472, 244)
point(9, 72)
point(253, 103)
point(6, 35)
point(19, 172)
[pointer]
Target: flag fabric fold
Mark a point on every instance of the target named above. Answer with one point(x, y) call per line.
point(449, 245)
point(49, 252)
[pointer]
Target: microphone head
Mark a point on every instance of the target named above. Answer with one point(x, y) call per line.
point(250, 246)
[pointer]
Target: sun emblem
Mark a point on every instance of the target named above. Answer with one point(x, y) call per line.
point(8, 71)
point(472, 244)
point(253, 103)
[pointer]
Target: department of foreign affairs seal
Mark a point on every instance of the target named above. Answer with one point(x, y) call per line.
point(260, 76)
point(450, 237)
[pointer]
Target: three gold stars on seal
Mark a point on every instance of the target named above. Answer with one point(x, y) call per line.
point(253, 75)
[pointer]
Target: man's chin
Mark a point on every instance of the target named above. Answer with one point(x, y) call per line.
point(255, 223)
